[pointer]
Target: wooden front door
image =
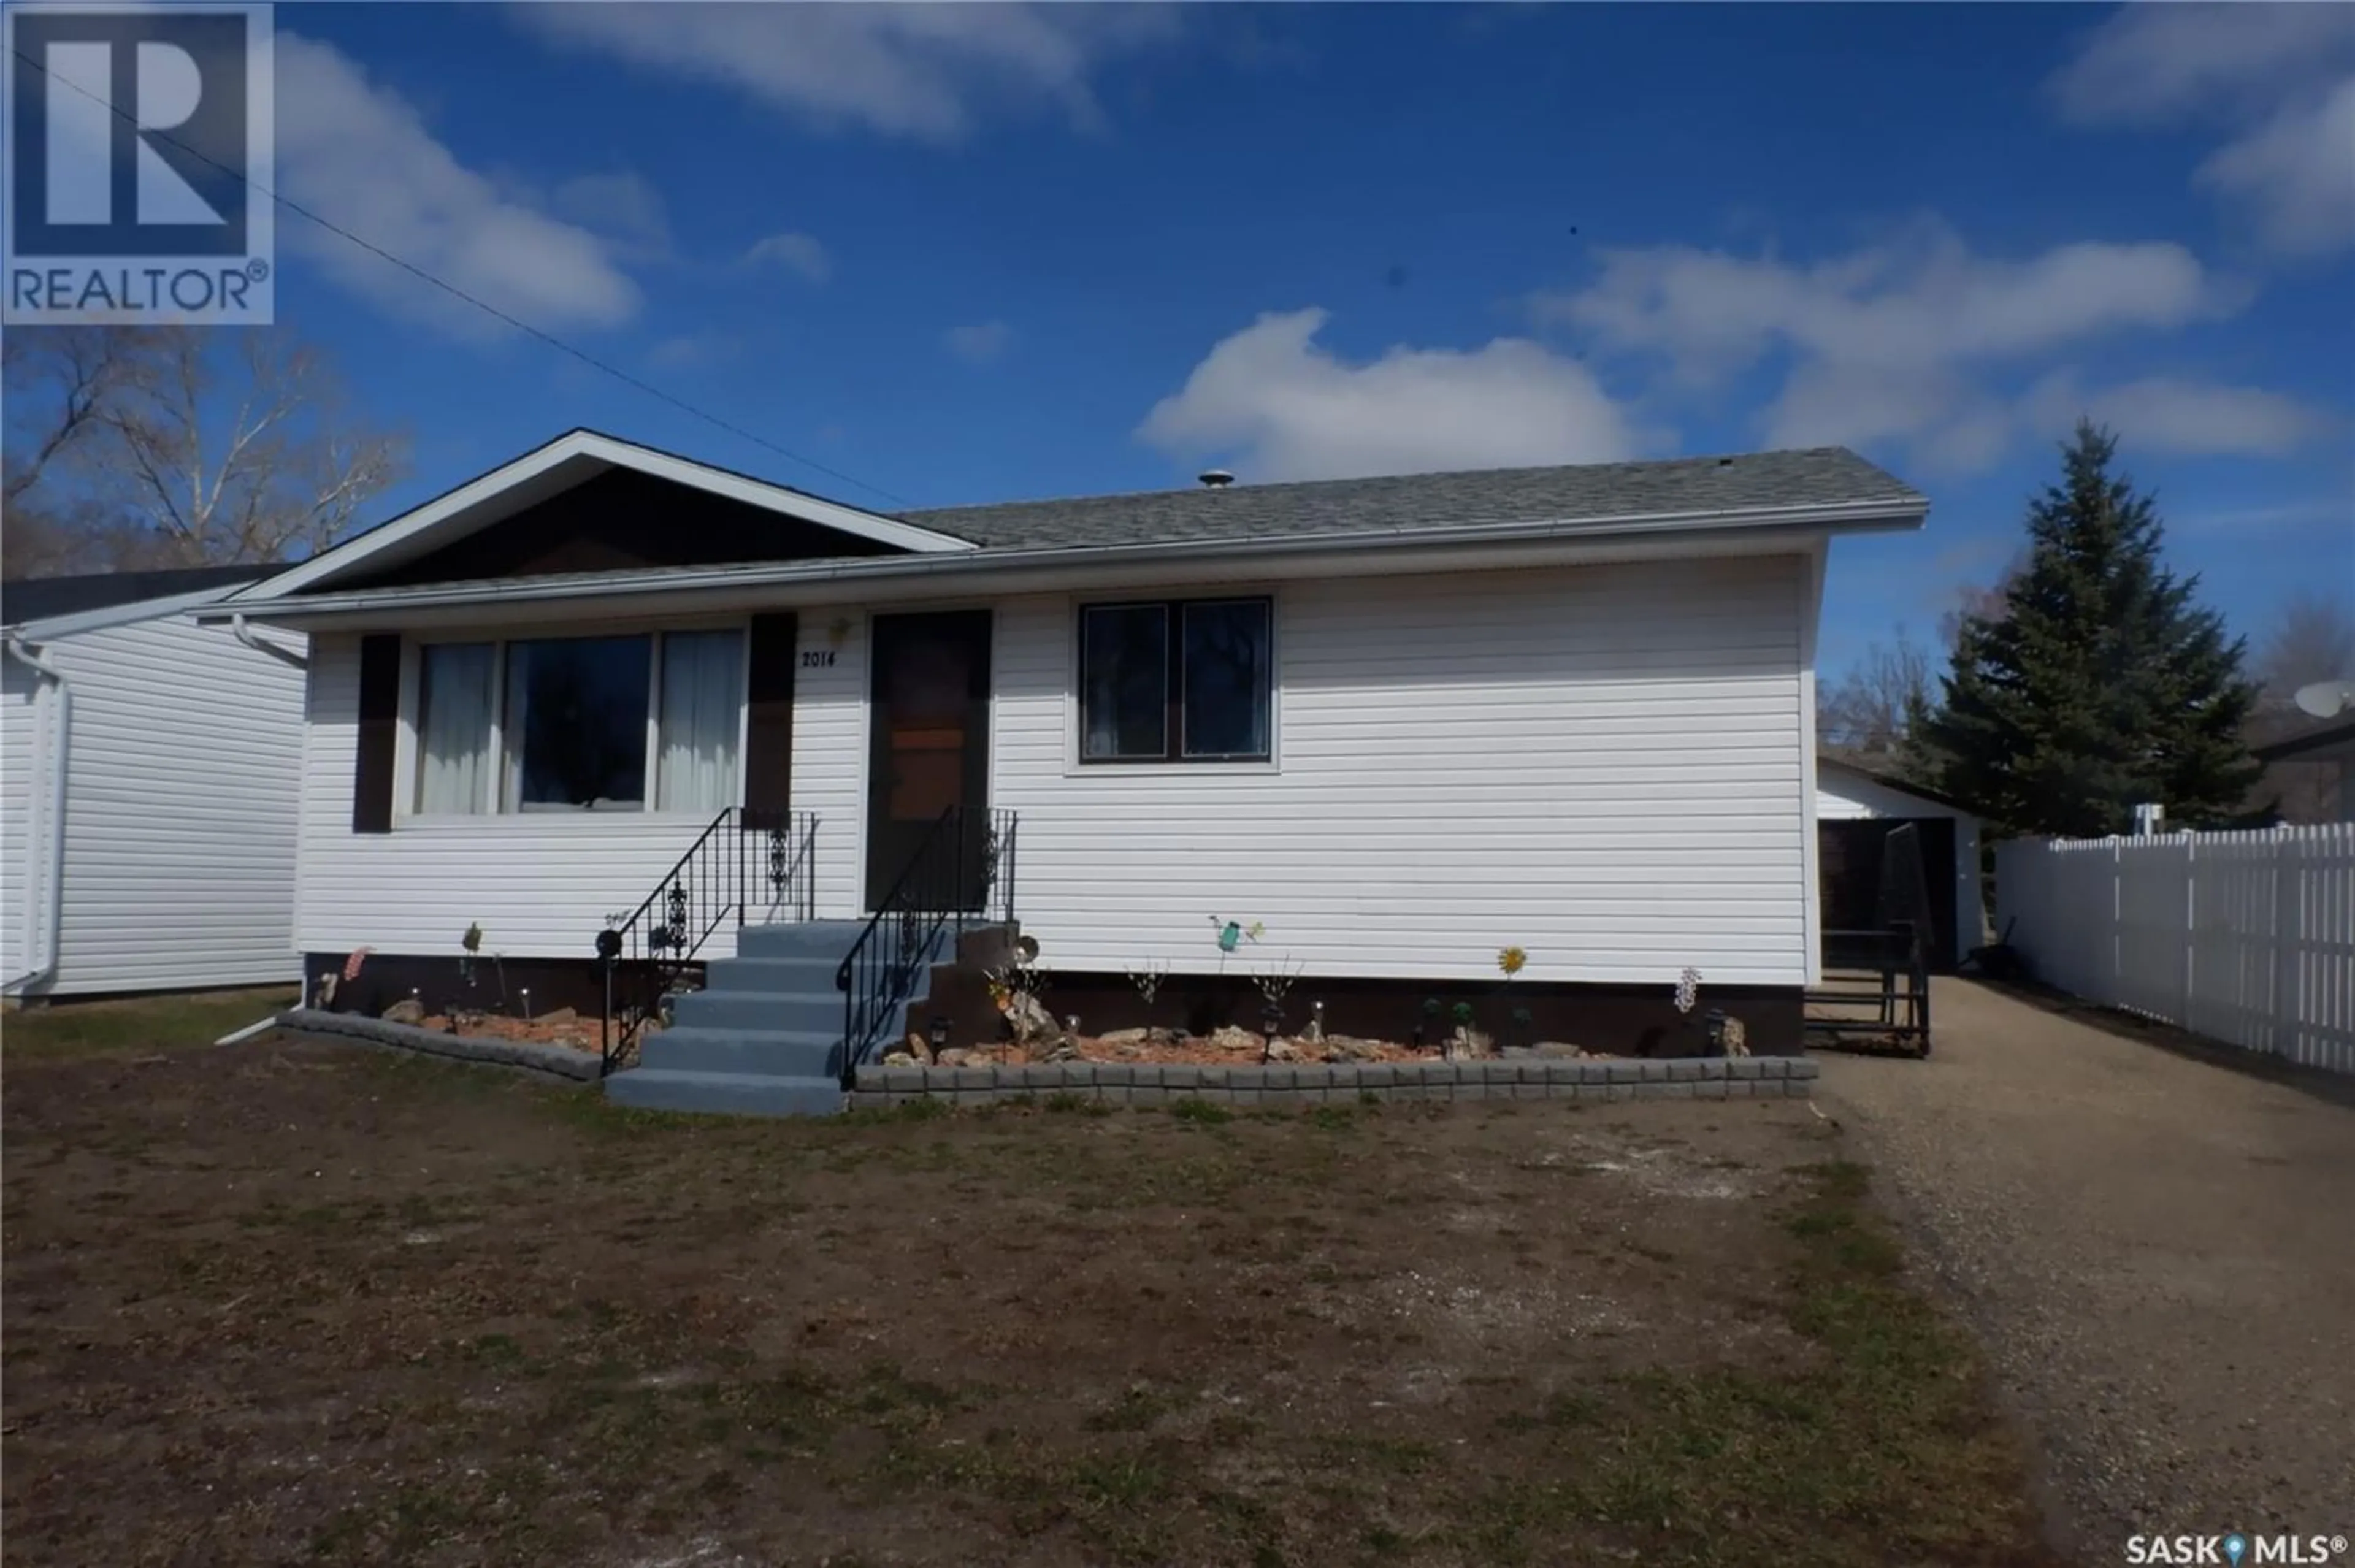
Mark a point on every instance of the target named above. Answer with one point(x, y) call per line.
point(930, 748)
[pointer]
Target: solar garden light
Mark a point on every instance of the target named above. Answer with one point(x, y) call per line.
point(939, 1033)
point(1270, 1024)
point(526, 1003)
point(1714, 1021)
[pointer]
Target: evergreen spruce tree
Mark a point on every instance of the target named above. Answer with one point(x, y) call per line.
point(2100, 681)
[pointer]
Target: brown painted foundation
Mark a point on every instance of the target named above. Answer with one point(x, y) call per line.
point(1620, 1019)
point(1624, 1021)
point(438, 983)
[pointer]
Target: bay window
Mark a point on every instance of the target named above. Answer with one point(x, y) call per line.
point(567, 724)
point(1181, 682)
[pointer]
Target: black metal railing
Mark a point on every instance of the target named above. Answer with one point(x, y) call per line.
point(962, 873)
point(761, 864)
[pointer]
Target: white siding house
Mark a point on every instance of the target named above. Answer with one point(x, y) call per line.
point(1397, 724)
point(1599, 764)
point(150, 785)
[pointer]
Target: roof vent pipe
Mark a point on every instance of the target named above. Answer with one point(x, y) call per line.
point(1216, 478)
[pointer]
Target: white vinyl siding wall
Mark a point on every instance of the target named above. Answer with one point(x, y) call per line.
point(1601, 764)
point(540, 884)
point(181, 789)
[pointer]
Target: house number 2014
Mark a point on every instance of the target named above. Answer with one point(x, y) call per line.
point(816, 658)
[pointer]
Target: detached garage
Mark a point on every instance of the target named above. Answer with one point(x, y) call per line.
point(1855, 811)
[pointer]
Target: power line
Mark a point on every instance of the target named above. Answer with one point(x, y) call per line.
point(290, 205)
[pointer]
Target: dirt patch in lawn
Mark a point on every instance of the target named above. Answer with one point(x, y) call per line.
point(288, 1302)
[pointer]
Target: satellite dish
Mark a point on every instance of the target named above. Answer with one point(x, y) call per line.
point(2325, 698)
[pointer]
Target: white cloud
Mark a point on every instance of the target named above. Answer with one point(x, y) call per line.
point(361, 156)
point(1916, 342)
point(2173, 414)
point(2280, 79)
point(624, 207)
point(798, 252)
point(1285, 408)
point(2152, 64)
point(1921, 299)
point(980, 343)
point(922, 71)
point(2295, 174)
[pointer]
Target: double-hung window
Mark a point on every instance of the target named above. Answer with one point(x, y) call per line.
point(1187, 680)
point(566, 724)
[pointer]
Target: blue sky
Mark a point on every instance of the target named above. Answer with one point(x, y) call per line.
point(978, 253)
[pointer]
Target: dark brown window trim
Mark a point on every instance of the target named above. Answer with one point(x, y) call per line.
point(1173, 723)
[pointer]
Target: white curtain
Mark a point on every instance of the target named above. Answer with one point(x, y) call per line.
point(702, 714)
point(454, 727)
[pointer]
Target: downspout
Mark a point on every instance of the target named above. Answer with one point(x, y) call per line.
point(45, 924)
point(244, 634)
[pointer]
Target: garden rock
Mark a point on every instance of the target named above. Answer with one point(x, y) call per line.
point(919, 1047)
point(1349, 1048)
point(408, 1010)
point(1558, 1050)
point(897, 1058)
point(1126, 1037)
point(1737, 1038)
point(557, 1015)
point(1228, 1037)
point(954, 1056)
point(1027, 1016)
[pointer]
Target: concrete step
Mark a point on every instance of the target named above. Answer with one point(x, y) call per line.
point(783, 1053)
point(802, 976)
point(827, 939)
point(735, 1008)
point(725, 1094)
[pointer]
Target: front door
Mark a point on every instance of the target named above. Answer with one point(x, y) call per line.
point(930, 737)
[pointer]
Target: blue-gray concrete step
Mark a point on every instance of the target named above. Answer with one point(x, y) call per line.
point(735, 1008)
point(725, 1094)
point(786, 1053)
point(805, 977)
point(827, 939)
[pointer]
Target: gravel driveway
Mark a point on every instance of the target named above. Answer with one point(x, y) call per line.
point(2158, 1252)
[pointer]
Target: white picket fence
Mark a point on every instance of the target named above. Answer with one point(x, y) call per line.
point(2246, 937)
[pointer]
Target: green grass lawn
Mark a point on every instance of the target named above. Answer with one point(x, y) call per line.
point(138, 1024)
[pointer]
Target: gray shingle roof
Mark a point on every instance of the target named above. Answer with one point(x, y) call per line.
point(1823, 477)
point(23, 600)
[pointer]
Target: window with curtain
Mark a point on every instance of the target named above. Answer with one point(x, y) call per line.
point(1185, 681)
point(1124, 682)
point(454, 726)
point(700, 720)
point(575, 727)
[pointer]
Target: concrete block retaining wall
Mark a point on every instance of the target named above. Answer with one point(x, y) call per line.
point(1282, 1087)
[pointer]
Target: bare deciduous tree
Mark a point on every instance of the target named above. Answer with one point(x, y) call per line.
point(2312, 639)
point(1863, 717)
point(177, 447)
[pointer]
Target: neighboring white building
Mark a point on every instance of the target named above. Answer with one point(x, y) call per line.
point(1401, 723)
point(1855, 812)
point(148, 774)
